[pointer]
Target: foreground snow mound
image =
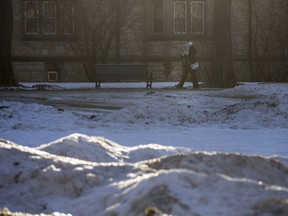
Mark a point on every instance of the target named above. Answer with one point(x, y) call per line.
point(243, 107)
point(21, 116)
point(180, 183)
point(267, 111)
point(184, 192)
point(234, 165)
point(100, 149)
point(7, 212)
point(31, 178)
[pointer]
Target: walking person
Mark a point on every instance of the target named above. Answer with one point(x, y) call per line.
point(189, 65)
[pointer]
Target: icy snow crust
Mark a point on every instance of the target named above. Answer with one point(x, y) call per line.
point(180, 183)
point(243, 169)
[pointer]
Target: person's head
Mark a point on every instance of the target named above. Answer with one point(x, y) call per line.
point(188, 44)
point(186, 47)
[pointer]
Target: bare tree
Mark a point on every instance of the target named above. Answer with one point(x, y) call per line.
point(7, 77)
point(101, 22)
point(98, 24)
point(270, 41)
point(223, 75)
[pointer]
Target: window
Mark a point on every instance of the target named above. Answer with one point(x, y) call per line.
point(67, 11)
point(158, 17)
point(175, 19)
point(180, 17)
point(197, 17)
point(181, 23)
point(48, 17)
point(31, 17)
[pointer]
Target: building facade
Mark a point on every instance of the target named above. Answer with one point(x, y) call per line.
point(46, 32)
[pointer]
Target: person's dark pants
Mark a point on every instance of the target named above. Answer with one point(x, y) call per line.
point(186, 70)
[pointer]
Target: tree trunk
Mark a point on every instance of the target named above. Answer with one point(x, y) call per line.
point(223, 75)
point(7, 77)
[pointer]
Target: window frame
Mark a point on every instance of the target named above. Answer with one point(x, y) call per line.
point(34, 17)
point(156, 18)
point(49, 18)
point(198, 17)
point(170, 31)
point(73, 17)
point(189, 18)
point(41, 34)
point(185, 17)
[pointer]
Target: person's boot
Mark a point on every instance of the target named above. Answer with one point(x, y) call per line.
point(179, 86)
point(195, 85)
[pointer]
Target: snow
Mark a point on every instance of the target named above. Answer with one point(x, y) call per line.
point(122, 149)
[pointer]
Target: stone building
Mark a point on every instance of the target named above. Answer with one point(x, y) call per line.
point(44, 31)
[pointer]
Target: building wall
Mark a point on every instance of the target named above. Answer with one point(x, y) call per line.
point(162, 53)
point(33, 59)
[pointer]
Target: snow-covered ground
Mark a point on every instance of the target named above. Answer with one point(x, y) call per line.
point(121, 149)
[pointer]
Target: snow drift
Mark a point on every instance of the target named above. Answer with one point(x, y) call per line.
point(84, 175)
point(46, 167)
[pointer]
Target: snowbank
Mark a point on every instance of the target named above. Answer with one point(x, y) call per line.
point(54, 178)
point(181, 152)
point(100, 149)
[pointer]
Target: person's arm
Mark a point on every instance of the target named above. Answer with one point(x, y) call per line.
point(192, 58)
point(192, 55)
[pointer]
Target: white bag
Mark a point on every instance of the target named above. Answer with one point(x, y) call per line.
point(195, 66)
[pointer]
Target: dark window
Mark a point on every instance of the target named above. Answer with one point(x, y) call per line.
point(158, 17)
point(48, 17)
point(67, 11)
point(31, 13)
